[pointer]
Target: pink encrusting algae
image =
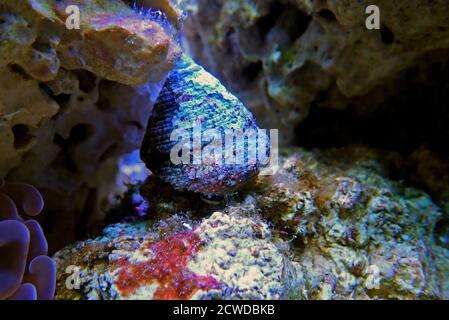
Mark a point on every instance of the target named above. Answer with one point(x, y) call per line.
point(168, 268)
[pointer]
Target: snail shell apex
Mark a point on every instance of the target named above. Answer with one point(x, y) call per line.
point(193, 97)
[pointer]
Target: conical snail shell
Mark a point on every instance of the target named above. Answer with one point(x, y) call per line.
point(193, 101)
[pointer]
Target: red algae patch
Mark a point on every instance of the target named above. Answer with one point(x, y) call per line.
point(166, 267)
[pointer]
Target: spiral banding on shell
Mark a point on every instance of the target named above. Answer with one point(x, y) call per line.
point(196, 118)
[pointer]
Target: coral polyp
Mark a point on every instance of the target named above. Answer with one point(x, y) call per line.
point(14, 241)
point(26, 273)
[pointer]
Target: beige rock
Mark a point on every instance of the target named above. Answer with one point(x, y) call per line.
point(73, 101)
point(283, 56)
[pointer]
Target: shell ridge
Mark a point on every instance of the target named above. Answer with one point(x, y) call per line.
point(191, 96)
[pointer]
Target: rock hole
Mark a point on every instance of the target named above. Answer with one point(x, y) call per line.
point(387, 35)
point(442, 232)
point(266, 23)
point(327, 14)
point(22, 136)
point(46, 89)
point(296, 22)
point(19, 70)
point(104, 104)
point(41, 45)
point(293, 20)
point(252, 71)
point(63, 159)
point(62, 99)
point(80, 133)
point(87, 80)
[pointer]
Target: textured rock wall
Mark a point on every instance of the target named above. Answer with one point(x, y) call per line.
point(226, 256)
point(284, 57)
point(73, 101)
point(326, 225)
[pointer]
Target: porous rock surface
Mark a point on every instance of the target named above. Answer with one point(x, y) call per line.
point(227, 256)
point(73, 101)
point(284, 57)
point(332, 221)
point(356, 233)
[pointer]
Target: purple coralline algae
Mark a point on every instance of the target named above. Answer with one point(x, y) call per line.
point(26, 272)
